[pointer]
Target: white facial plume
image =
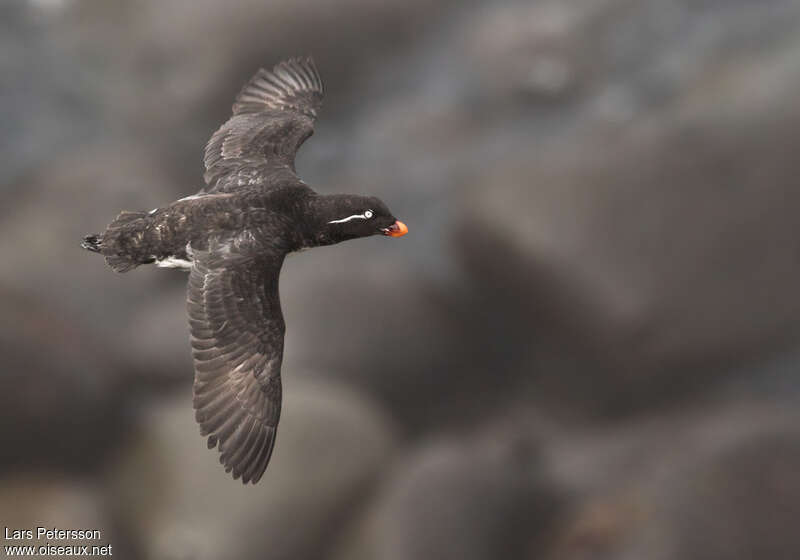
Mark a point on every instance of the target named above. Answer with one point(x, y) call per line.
point(365, 216)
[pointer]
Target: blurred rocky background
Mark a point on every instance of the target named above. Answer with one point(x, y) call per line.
point(587, 347)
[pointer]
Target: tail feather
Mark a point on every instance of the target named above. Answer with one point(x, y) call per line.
point(116, 243)
point(91, 243)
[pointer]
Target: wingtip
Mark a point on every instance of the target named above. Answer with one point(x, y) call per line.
point(303, 59)
point(302, 67)
point(297, 59)
point(293, 83)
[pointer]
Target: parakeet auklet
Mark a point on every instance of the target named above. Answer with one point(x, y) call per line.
point(232, 237)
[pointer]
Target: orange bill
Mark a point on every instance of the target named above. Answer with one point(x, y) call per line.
point(397, 229)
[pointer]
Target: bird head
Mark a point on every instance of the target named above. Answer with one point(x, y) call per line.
point(352, 216)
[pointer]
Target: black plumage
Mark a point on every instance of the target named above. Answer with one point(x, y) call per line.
point(233, 237)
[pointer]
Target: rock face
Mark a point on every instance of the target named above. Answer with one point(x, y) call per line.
point(602, 201)
point(476, 497)
point(666, 295)
point(722, 483)
point(331, 446)
point(52, 368)
point(35, 500)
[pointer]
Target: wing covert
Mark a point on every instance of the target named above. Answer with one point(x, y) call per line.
point(237, 333)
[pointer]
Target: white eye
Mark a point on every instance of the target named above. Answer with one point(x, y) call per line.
point(368, 214)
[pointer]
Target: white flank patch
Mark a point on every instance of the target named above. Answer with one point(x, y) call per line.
point(193, 197)
point(172, 262)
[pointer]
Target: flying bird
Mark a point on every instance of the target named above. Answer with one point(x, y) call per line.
point(232, 237)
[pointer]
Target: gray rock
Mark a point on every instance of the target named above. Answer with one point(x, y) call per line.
point(646, 280)
point(39, 500)
point(714, 484)
point(179, 502)
point(626, 246)
point(478, 497)
point(61, 389)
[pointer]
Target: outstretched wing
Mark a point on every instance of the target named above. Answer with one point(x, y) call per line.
point(272, 116)
point(237, 344)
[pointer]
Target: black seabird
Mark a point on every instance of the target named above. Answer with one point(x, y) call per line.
point(233, 236)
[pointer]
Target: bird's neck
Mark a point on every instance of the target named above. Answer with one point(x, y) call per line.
point(314, 220)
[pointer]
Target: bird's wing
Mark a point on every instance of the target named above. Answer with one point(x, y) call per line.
point(272, 116)
point(237, 344)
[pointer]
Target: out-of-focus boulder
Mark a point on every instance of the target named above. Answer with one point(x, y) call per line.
point(638, 248)
point(718, 484)
point(469, 498)
point(39, 499)
point(637, 261)
point(53, 367)
point(364, 312)
point(179, 502)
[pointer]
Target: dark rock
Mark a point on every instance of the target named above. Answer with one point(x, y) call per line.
point(478, 497)
point(40, 500)
point(331, 445)
point(54, 368)
point(716, 484)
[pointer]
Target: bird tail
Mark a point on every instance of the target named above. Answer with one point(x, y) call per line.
point(91, 243)
point(118, 243)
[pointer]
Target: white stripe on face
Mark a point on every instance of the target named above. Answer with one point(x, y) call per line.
point(364, 216)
